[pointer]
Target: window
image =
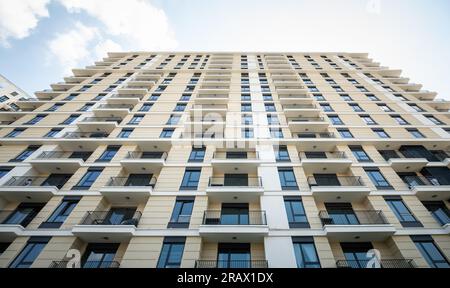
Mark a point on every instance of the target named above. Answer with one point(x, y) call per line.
point(360, 154)
point(146, 107)
point(36, 119)
point(125, 133)
point(272, 119)
point(368, 120)
point(335, 120)
point(30, 252)
point(197, 154)
point(434, 120)
point(4, 171)
point(385, 108)
point(53, 133)
point(372, 97)
point(246, 107)
point(185, 97)
point(295, 212)
point(400, 97)
point(180, 107)
point(282, 154)
point(25, 154)
point(305, 252)
point(190, 179)
point(71, 97)
point(171, 252)
point(345, 133)
point(326, 107)
point(362, 89)
point(270, 107)
point(346, 97)
point(247, 119)
point(415, 133)
point(381, 133)
point(84, 88)
point(71, 119)
point(161, 88)
point(402, 212)
point(416, 107)
point(267, 97)
point(287, 179)
point(136, 119)
point(4, 98)
point(167, 133)
point(276, 133)
point(109, 154)
point(377, 178)
point(319, 97)
point(356, 107)
point(338, 89)
point(430, 251)
point(61, 213)
point(182, 211)
point(86, 107)
point(16, 132)
point(174, 119)
point(439, 211)
point(55, 107)
point(247, 133)
point(88, 179)
point(246, 97)
point(399, 120)
point(154, 97)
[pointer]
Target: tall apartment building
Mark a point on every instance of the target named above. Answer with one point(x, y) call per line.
point(227, 160)
point(9, 93)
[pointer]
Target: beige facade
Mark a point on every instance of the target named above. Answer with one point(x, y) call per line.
point(227, 160)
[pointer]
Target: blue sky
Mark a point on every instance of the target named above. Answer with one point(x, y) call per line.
point(42, 40)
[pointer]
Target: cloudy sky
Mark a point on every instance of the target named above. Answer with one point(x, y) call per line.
point(42, 40)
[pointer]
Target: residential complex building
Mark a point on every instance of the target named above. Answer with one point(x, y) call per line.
point(230, 160)
point(9, 93)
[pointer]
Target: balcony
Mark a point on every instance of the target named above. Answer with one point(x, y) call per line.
point(103, 124)
point(198, 110)
point(427, 188)
point(339, 188)
point(113, 110)
point(208, 98)
point(121, 190)
point(86, 265)
point(301, 111)
point(125, 98)
point(404, 164)
point(104, 226)
point(308, 124)
point(27, 189)
point(243, 159)
point(256, 264)
point(219, 226)
point(324, 162)
point(83, 135)
point(356, 226)
point(137, 162)
point(288, 99)
point(384, 263)
point(57, 162)
point(214, 89)
point(226, 189)
point(311, 135)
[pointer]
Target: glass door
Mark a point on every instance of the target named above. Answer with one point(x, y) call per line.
point(100, 256)
point(119, 216)
point(234, 214)
point(239, 180)
point(234, 255)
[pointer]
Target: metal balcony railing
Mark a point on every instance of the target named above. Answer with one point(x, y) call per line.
point(24, 181)
point(252, 182)
point(325, 155)
point(86, 265)
point(384, 263)
point(126, 182)
point(116, 106)
point(262, 264)
point(145, 156)
point(352, 181)
point(217, 217)
point(349, 217)
point(102, 119)
point(107, 218)
point(80, 135)
point(300, 106)
point(316, 135)
point(415, 181)
point(56, 155)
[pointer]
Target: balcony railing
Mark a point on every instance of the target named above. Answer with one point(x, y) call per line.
point(326, 155)
point(246, 155)
point(80, 135)
point(349, 217)
point(146, 156)
point(261, 264)
point(306, 119)
point(126, 182)
point(24, 181)
point(415, 181)
point(217, 217)
point(352, 181)
point(316, 135)
point(86, 265)
point(384, 263)
point(116, 106)
point(305, 106)
point(102, 119)
point(107, 218)
point(252, 182)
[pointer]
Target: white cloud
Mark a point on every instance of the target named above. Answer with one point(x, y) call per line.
point(19, 17)
point(142, 25)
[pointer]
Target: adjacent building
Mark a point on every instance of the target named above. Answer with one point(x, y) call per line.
point(9, 93)
point(230, 160)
